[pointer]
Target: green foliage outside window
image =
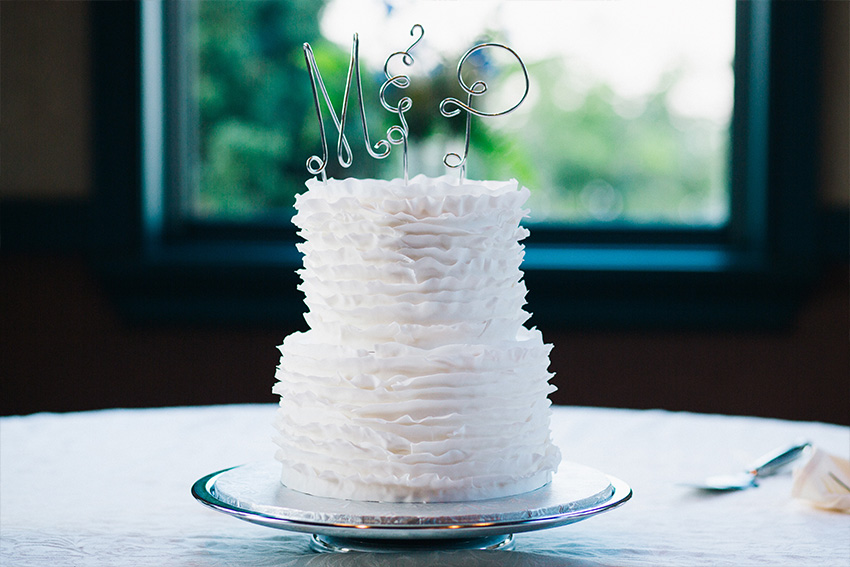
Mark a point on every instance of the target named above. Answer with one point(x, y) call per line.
point(587, 156)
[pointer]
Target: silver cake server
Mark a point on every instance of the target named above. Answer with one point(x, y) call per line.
point(765, 465)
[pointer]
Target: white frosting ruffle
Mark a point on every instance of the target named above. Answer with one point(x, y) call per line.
point(417, 380)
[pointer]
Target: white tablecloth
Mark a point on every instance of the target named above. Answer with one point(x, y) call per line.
point(112, 488)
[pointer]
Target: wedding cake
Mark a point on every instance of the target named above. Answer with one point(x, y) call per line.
point(418, 379)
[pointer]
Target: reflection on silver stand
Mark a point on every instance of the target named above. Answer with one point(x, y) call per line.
point(331, 544)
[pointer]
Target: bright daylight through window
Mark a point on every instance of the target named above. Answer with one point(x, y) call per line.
point(627, 122)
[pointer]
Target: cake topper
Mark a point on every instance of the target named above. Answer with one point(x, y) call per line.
point(478, 88)
point(315, 164)
point(397, 134)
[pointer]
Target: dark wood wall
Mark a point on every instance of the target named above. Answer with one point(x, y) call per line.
point(65, 347)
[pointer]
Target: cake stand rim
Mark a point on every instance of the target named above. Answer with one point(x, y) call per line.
point(618, 494)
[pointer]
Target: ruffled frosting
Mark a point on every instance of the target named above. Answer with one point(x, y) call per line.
point(417, 380)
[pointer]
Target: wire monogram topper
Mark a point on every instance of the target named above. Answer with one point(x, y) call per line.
point(397, 134)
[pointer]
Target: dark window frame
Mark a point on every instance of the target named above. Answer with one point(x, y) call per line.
point(754, 273)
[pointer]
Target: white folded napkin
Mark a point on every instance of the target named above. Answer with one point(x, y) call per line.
point(824, 481)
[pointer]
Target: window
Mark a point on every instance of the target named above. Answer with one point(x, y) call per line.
point(206, 220)
point(627, 121)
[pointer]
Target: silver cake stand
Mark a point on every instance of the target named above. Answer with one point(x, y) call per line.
point(254, 493)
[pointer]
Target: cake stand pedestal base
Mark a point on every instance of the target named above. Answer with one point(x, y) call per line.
point(332, 544)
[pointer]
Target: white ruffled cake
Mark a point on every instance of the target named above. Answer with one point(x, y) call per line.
point(417, 380)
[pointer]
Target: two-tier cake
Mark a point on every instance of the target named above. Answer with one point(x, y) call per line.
point(418, 379)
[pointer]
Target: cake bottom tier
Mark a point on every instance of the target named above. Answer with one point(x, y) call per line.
point(460, 422)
